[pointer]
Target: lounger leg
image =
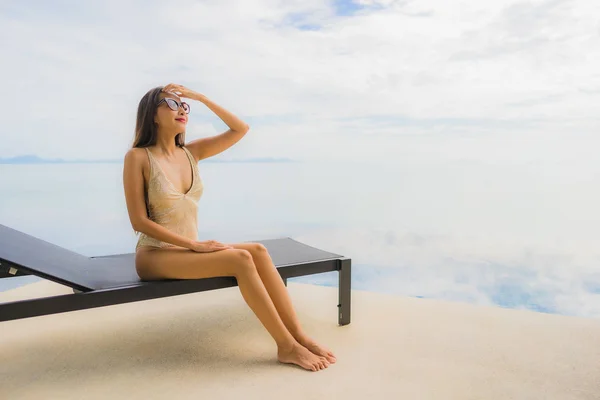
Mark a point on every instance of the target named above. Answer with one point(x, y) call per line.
point(344, 292)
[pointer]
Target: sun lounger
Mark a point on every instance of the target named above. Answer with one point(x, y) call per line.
point(107, 280)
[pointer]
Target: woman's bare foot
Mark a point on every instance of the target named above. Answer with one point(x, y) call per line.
point(317, 349)
point(302, 357)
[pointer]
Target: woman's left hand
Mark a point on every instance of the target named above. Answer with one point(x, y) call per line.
point(217, 243)
point(182, 91)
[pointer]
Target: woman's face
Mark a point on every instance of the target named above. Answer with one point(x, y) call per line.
point(168, 119)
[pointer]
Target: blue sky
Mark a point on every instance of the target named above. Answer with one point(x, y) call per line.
point(316, 79)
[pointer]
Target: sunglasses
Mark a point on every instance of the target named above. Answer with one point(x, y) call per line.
point(174, 104)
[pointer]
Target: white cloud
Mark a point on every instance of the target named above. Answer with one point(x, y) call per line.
point(367, 85)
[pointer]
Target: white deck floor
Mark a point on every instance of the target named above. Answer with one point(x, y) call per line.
point(210, 345)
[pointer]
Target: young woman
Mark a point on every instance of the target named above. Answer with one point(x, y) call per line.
point(162, 189)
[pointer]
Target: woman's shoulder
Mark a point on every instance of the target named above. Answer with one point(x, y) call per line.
point(136, 156)
point(136, 152)
point(189, 153)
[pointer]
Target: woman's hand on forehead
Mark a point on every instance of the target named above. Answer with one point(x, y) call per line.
point(180, 91)
point(169, 89)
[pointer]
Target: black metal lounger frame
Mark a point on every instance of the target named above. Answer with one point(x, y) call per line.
point(84, 297)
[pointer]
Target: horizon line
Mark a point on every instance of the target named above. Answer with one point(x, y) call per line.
point(34, 159)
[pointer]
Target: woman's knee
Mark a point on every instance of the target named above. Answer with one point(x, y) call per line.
point(242, 261)
point(258, 248)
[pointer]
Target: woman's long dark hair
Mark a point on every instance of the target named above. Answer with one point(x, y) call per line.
point(146, 131)
point(145, 128)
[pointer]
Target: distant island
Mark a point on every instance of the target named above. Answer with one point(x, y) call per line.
point(33, 159)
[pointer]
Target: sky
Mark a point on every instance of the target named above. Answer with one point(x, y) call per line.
point(505, 81)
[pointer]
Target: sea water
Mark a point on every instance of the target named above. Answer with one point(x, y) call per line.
point(509, 235)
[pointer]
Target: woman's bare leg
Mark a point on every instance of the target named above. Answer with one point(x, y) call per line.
point(281, 298)
point(179, 263)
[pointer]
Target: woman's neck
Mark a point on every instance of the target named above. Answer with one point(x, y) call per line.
point(166, 145)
